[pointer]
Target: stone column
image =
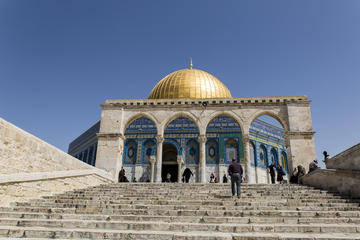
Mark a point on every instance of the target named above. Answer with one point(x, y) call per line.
point(299, 134)
point(109, 153)
point(152, 173)
point(202, 140)
point(180, 162)
point(159, 149)
point(246, 142)
point(300, 149)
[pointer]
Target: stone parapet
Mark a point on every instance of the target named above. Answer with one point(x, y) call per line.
point(345, 182)
point(38, 176)
point(12, 191)
point(21, 152)
point(346, 160)
point(129, 103)
point(31, 168)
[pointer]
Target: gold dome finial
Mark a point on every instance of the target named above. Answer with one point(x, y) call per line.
point(191, 65)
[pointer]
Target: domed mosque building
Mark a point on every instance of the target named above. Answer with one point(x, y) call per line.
point(190, 120)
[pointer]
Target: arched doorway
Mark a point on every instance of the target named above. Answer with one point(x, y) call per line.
point(169, 162)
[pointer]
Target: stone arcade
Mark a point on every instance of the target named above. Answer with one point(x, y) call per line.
point(191, 120)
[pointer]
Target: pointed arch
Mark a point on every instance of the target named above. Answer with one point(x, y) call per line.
point(282, 122)
point(178, 115)
point(226, 114)
point(140, 115)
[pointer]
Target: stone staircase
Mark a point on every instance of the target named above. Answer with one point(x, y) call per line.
point(184, 211)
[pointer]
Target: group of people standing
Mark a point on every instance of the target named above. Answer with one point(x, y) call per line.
point(235, 172)
point(279, 170)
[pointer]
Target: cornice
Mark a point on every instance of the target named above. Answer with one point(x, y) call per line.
point(299, 133)
point(110, 135)
point(204, 103)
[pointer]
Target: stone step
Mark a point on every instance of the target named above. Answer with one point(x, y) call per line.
point(93, 209)
point(182, 210)
point(173, 206)
point(188, 219)
point(225, 201)
point(194, 196)
point(208, 189)
point(72, 233)
point(183, 227)
point(207, 194)
point(185, 211)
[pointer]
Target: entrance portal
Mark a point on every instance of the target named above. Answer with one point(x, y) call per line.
point(170, 164)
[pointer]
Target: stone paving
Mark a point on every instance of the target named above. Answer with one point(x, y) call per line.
point(184, 211)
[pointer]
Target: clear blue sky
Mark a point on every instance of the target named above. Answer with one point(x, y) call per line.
point(59, 60)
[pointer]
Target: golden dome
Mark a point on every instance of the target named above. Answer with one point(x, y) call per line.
point(190, 83)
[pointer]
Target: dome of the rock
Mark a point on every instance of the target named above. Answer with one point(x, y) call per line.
point(189, 84)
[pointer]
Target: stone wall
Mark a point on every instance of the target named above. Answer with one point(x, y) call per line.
point(30, 167)
point(346, 160)
point(343, 175)
point(23, 191)
point(23, 152)
point(342, 181)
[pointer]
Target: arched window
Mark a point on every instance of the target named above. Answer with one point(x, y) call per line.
point(283, 161)
point(149, 149)
point(252, 154)
point(274, 156)
point(263, 159)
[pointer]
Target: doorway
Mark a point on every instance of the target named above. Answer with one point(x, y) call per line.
point(169, 162)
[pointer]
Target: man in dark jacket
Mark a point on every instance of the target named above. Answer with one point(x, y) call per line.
point(235, 171)
point(271, 168)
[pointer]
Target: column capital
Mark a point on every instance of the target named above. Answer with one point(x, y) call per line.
point(152, 159)
point(246, 138)
point(202, 138)
point(159, 138)
point(180, 159)
point(305, 134)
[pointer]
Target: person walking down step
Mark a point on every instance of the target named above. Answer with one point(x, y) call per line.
point(235, 171)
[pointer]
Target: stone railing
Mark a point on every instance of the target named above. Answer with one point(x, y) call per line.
point(30, 167)
point(346, 160)
point(342, 174)
point(343, 181)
